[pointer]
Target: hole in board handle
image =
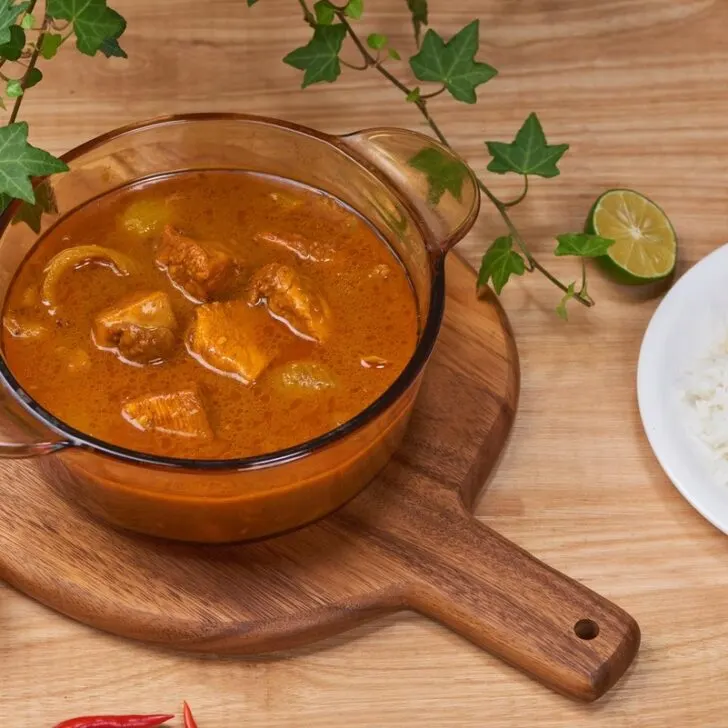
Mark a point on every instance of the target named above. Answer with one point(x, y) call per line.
point(586, 629)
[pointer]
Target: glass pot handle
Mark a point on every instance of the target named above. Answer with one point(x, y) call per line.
point(21, 434)
point(439, 185)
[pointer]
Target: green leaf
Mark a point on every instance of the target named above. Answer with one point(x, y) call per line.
point(325, 13)
point(93, 22)
point(31, 214)
point(444, 174)
point(50, 44)
point(320, 58)
point(561, 308)
point(13, 88)
point(499, 263)
point(394, 54)
point(582, 244)
point(377, 41)
point(13, 49)
point(27, 22)
point(414, 95)
point(453, 63)
point(354, 9)
point(8, 15)
point(19, 161)
point(33, 77)
point(251, 3)
point(111, 48)
point(529, 152)
point(418, 11)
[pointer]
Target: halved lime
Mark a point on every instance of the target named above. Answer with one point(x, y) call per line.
point(645, 247)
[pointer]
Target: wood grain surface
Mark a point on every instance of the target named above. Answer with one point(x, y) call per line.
point(407, 541)
point(638, 89)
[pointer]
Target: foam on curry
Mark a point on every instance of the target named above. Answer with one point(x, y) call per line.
point(209, 315)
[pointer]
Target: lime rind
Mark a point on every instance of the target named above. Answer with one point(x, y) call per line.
point(645, 250)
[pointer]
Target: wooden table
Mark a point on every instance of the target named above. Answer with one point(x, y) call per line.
point(638, 89)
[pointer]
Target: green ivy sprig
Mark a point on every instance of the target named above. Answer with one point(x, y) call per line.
point(451, 65)
point(26, 42)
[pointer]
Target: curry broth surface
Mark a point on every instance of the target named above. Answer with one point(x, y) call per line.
point(371, 316)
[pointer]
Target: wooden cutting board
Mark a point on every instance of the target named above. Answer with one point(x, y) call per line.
point(408, 541)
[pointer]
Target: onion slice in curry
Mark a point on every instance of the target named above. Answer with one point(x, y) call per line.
point(75, 257)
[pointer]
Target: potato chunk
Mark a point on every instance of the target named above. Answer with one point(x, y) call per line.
point(146, 217)
point(292, 298)
point(230, 338)
point(301, 378)
point(175, 413)
point(200, 269)
point(21, 327)
point(140, 328)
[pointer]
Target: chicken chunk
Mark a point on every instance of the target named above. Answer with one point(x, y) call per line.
point(292, 298)
point(199, 268)
point(175, 413)
point(230, 338)
point(314, 251)
point(140, 327)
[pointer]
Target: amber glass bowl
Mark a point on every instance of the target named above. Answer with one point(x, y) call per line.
point(233, 500)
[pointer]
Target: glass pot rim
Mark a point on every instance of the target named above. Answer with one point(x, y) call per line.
point(407, 377)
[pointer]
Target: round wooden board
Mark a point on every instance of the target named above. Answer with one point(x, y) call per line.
point(408, 541)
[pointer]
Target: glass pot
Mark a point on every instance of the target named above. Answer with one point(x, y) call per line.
point(232, 500)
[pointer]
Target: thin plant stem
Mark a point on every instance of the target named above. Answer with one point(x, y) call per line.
point(352, 66)
point(308, 16)
point(531, 262)
point(518, 200)
point(31, 65)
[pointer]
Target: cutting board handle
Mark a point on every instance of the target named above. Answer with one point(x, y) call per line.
point(501, 598)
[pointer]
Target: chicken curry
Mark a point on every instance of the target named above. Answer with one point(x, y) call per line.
point(209, 314)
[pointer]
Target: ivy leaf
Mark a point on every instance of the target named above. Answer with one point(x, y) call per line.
point(444, 174)
point(33, 77)
point(93, 22)
point(50, 44)
point(418, 11)
point(27, 22)
point(582, 244)
point(13, 49)
point(561, 308)
point(377, 41)
point(8, 15)
point(320, 58)
point(354, 9)
point(453, 63)
point(394, 55)
point(251, 3)
point(31, 214)
point(19, 161)
point(499, 263)
point(528, 153)
point(13, 89)
point(325, 13)
point(414, 95)
point(111, 48)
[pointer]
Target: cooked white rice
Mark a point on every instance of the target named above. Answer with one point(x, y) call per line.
point(705, 389)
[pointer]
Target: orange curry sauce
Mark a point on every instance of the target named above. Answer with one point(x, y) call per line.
point(217, 315)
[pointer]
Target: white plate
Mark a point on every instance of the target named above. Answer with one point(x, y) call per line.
point(682, 330)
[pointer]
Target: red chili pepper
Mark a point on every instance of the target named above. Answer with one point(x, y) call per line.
point(189, 720)
point(116, 721)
